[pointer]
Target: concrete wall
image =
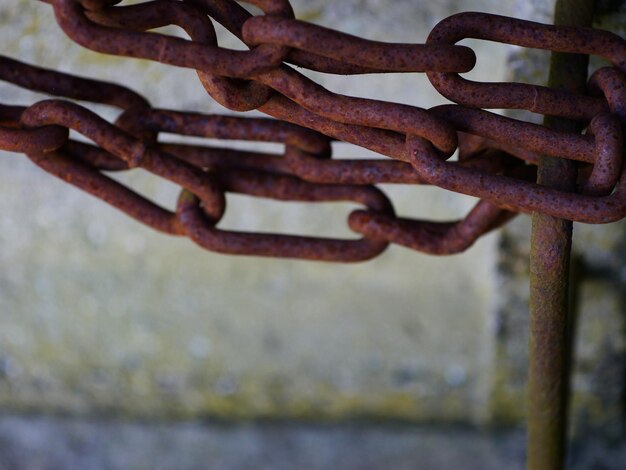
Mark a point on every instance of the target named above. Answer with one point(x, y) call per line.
point(101, 315)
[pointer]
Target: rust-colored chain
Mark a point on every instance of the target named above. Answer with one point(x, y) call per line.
point(497, 153)
point(207, 173)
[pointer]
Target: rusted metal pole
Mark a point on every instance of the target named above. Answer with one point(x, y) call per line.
point(551, 241)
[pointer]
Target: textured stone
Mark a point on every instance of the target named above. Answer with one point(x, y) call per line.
point(49, 443)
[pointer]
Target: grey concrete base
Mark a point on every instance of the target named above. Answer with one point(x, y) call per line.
point(46, 443)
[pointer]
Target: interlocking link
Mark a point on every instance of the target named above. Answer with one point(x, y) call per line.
point(497, 154)
point(523, 33)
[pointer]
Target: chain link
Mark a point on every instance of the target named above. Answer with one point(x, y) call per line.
point(497, 154)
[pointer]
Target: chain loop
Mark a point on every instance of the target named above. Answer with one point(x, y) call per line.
point(537, 99)
point(497, 155)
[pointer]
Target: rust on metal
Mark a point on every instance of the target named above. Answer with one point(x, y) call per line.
point(525, 196)
point(497, 159)
point(556, 172)
point(549, 343)
point(387, 57)
point(538, 99)
point(435, 238)
point(286, 188)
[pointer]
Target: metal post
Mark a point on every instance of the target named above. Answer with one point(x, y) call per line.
point(549, 346)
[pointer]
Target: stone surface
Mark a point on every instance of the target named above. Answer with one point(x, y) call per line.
point(49, 443)
point(38, 443)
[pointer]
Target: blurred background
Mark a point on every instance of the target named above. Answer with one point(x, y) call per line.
point(124, 348)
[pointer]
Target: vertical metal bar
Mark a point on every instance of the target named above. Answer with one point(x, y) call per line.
point(551, 240)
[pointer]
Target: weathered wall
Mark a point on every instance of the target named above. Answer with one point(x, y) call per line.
point(99, 314)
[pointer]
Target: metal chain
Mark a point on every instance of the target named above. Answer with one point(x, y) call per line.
point(497, 154)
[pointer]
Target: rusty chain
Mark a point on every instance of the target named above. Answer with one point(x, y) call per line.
point(497, 155)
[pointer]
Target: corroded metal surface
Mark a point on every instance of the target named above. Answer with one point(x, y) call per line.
point(498, 155)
